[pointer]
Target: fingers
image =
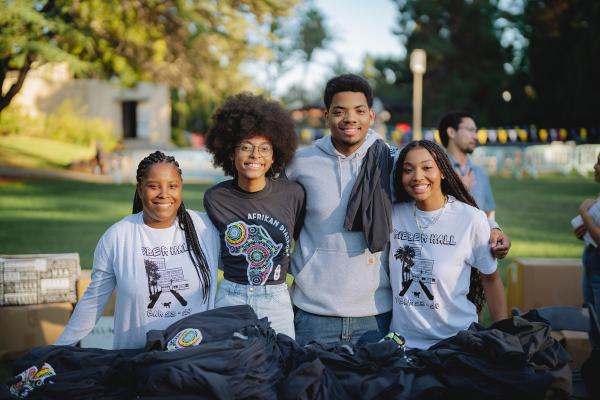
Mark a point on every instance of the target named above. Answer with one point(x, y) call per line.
point(494, 236)
point(500, 254)
point(579, 231)
point(502, 245)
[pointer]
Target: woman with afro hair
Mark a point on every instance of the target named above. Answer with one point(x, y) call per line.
point(252, 139)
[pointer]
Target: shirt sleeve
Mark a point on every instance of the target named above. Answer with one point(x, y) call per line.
point(483, 259)
point(91, 306)
point(207, 203)
point(489, 197)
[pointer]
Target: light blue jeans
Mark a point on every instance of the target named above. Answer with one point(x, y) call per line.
point(324, 329)
point(271, 301)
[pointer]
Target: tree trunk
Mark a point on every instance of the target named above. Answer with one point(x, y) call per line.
point(15, 87)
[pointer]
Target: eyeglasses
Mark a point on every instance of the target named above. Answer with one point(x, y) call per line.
point(247, 150)
point(471, 129)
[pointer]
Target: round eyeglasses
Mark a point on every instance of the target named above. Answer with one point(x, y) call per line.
point(247, 150)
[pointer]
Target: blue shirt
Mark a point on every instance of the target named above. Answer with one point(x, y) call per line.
point(481, 191)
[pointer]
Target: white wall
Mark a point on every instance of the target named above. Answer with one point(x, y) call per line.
point(103, 100)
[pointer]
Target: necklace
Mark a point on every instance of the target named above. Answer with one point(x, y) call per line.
point(436, 218)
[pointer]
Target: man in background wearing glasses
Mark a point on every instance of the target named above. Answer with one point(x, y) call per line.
point(458, 134)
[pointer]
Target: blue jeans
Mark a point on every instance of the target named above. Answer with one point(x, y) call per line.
point(590, 280)
point(272, 301)
point(356, 330)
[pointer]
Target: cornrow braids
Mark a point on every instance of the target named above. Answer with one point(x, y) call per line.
point(186, 224)
point(451, 185)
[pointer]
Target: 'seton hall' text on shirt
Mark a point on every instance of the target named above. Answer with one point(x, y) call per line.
point(433, 238)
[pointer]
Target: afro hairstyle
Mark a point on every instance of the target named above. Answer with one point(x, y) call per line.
point(244, 116)
point(347, 83)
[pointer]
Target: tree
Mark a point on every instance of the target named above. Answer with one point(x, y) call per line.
point(406, 255)
point(557, 83)
point(195, 44)
point(313, 35)
point(465, 59)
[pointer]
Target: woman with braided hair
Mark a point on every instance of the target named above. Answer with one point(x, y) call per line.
point(252, 139)
point(162, 259)
point(441, 265)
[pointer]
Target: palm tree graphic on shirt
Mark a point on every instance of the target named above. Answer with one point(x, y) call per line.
point(406, 254)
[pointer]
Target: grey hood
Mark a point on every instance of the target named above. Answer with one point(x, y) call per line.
point(326, 145)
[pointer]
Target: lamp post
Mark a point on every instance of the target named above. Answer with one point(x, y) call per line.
point(418, 62)
point(181, 93)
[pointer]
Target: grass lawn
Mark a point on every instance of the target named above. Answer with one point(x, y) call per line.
point(54, 216)
point(32, 152)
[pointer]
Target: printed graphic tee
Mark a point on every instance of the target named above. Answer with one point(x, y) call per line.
point(256, 229)
point(431, 270)
point(157, 283)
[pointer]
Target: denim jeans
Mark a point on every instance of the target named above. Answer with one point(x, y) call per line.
point(272, 301)
point(356, 330)
point(590, 281)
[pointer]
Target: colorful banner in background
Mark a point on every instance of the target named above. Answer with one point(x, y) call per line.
point(401, 134)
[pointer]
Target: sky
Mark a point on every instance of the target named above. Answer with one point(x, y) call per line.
point(359, 28)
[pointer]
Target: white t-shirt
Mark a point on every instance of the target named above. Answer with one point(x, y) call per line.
point(157, 283)
point(430, 271)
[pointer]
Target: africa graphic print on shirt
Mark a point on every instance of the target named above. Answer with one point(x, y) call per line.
point(30, 379)
point(255, 243)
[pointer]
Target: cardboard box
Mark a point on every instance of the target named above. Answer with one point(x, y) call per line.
point(27, 326)
point(577, 344)
point(85, 278)
point(103, 334)
point(540, 282)
point(38, 278)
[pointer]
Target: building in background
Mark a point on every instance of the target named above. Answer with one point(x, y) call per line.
point(141, 116)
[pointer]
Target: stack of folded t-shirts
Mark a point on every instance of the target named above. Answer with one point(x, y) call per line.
point(515, 358)
point(68, 372)
point(237, 358)
point(224, 353)
point(228, 353)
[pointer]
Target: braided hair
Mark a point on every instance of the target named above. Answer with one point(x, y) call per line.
point(185, 221)
point(451, 185)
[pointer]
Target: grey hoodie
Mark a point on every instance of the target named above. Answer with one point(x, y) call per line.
point(334, 272)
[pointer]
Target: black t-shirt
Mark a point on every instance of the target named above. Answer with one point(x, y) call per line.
point(256, 229)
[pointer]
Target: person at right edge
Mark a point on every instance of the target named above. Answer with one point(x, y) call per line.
point(590, 280)
point(341, 289)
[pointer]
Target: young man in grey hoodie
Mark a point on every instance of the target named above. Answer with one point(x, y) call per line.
point(341, 289)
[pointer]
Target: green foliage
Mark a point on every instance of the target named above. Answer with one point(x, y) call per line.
point(68, 123)
point(557, 82)
point(178, 138)
point(195, 44)
point(464, 58)
point(313, 34)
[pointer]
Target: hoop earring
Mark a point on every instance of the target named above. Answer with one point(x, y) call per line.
point(272, 171)
point(233, 169)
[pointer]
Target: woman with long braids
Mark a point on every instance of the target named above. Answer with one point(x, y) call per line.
point(252, 139)
point(163, 260)
point(441, 265)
